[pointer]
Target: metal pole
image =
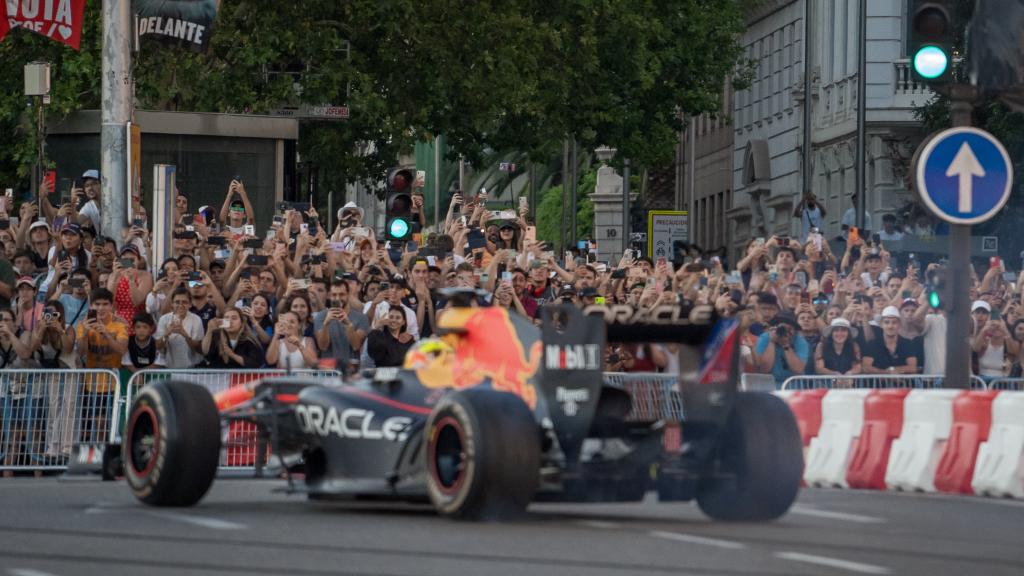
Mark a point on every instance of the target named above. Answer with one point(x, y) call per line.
point(116, 113)
point(625, 202)
point(958, 303)
point(808, 86)
point(572, 195)
point(565, 190)
point(862, 68)
point(437, 181)
point(692, 180)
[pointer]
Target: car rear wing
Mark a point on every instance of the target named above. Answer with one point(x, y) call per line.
point(573, 362)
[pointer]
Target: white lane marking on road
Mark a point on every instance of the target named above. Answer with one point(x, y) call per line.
point(98, 508)
point(691, 539)
point(833, 563)
point(27, 572)
point(599, 524)
point(202, 521)
point(830, 515)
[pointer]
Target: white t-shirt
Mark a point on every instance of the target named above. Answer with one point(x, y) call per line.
point(850, 220)
point(177, 353)
point(934, 344)
point(92, 212)
point(45, 286)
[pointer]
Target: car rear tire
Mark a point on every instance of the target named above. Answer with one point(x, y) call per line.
point(171, 444)
point(761, 450)
point(482, 455)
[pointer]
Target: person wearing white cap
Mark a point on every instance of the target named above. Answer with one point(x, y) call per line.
point(993, 345)
point(981, 313)
point(90, 212)
point(892, 353)
point(350, 230)
point(838, 353)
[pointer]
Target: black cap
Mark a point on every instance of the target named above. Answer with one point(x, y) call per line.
point(784, 318)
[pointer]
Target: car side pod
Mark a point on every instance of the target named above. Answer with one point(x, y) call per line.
point(171, 443)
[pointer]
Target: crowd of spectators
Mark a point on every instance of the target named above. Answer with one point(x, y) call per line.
point(300, 296)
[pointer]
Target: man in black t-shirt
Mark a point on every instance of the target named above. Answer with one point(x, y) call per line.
point(892, 353)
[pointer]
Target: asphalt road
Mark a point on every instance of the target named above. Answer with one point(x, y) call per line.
point(49, 527)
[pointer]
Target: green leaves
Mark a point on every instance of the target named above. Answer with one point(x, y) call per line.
point(510, 75)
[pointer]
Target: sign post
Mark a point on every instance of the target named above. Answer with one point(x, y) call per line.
point(964, 176)
point(664, 229)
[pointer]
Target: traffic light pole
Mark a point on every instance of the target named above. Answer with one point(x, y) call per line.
point(958, 303)
point(116, 104)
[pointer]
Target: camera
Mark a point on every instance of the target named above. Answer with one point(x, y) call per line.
point(783, 331)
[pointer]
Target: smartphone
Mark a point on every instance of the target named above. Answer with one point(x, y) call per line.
point(523, 203)
point(139, 223)
point(854, 235)
point(313, 228)
point(91, 315)
point(662, 260)
point(581, 245)
point(385, 286)
point(256, 260)
point(1009, 277)
point(50, 179)
point(225, 324)
point(222, 254)
point(126, 263)
point(995, 315)
point(187, 219)
point(759, 241)
point(652, 282)
point(5, 224)
point(278, 219)
point(254, 243)
point(506, 277)
point(249, 230)
point(906, 294)
point(217, 241)
point(993, 262)
point(195, 277)
point(734, 277)
point(76, 283)
point(773, 273)
point(421, 179)
point(801, 277)
point(703, 281)
point(412, 246)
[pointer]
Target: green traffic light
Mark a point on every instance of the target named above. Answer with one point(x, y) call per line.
point(398, 228)
point(931, 62)
point(933, 299)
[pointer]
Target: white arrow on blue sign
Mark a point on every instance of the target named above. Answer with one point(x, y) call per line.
point(964, 175)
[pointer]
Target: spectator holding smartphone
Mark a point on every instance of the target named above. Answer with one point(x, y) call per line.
point(237, 212)
point(52, 341)
point(130, 283)
point(289, 349)
point(339, 329)
point(388, 342)
point(228, 344)
point(179, 333)
point(90, 212)
point(142, 351)
point(102, 339)
point(68, 254)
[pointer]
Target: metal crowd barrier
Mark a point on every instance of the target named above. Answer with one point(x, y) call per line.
point(1014, 384)
point(757, 383)
point(655, 396)
point(44, 413)
point(240, 441)
point(873, 381)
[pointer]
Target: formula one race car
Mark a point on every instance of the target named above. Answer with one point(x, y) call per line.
point(494, 414)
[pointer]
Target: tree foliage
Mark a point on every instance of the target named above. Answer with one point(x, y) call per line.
point(509, 75)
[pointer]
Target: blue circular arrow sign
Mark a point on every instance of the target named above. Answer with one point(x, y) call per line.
point(964, 175)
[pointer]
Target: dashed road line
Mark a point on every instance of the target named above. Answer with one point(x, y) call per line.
point(599, 524)
point(701, 540)
point(27, 572)
point(830, 515)
point(201, 521)
point(833, 563)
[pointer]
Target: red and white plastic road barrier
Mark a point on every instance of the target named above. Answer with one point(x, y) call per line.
point(958, 441)
point(842, 418)
point(999, 470)
point(883, 423)
point(972, 419)
point(927, 420)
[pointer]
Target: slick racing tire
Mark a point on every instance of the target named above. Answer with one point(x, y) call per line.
point(482, 455)
point(761, 455)
point(171, 444)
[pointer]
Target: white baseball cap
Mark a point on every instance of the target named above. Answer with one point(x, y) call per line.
point(981, 304)
point(891, 312)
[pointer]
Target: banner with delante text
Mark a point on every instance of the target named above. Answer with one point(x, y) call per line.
point(187, 23)
point(58, 20)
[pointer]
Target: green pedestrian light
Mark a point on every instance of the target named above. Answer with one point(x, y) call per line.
point(933, 300)
point(398, 229)
point(931, 62)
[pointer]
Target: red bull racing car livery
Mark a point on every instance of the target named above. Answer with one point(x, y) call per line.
point(493, 414)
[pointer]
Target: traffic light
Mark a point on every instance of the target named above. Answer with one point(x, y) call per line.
point(936, 289)
point(931, 41)
point(398, 212)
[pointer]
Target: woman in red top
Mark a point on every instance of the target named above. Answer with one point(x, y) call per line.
point(130, 284)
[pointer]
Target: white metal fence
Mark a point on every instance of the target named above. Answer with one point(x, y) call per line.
point(1015, 384)
point(240, 441)
point(655, 396)
point(44, 413)
point(873, 381)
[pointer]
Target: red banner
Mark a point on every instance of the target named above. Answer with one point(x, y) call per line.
point(59, 20)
